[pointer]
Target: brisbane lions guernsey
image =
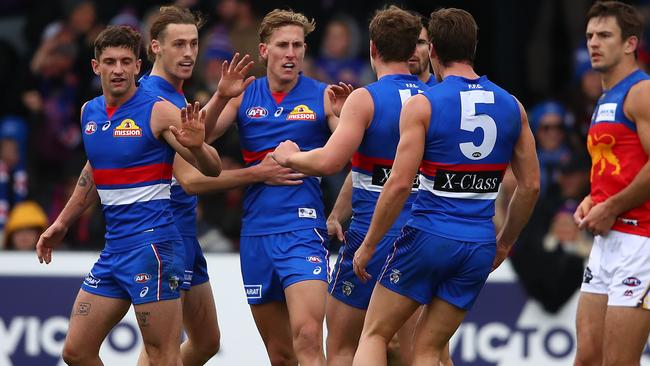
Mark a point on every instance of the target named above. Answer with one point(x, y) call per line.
point(617, 155)
point(183, 205)
point(263, 124)
point(371, 164)
point(132, 170)
point(473, 129)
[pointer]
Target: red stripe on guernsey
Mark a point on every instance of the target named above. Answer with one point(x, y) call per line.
point(429, 168)
point(254, 156)
point(139, 174)
point(159, 287)
point(368, 163)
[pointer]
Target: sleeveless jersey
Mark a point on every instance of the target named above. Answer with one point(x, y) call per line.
point(263, 124)
point(617, 155)
point(183, 205)
point(132, 170)
point(371, 164)
point(473, 129)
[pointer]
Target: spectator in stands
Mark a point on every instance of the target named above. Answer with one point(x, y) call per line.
point(339, 59)
point(25, 224)
point(13, 176)
point(583, 97)
point(547, 121)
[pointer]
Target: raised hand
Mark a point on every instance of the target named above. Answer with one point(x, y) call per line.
point(192, 132)
point(49, 239)
point(274, 174)
point(284, 151)
point(233, 76)
point(338, 94)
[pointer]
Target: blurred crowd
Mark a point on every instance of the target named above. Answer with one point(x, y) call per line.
point(45, 66)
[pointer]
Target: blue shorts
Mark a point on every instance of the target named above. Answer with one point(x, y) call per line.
point(145, 274)
point(196, 268)
point(424, 265)
point(345, 285)
point(271, 263)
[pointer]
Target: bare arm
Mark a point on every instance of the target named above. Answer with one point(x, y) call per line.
point(414, 122)
point(525, 168)
point(355, 118)
point(342, 209)
point(268, 171)
point(82, 198)
point(602, 216)
point(232, 84)
point(185, 135)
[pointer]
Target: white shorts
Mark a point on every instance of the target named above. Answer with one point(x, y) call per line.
point(619, 267)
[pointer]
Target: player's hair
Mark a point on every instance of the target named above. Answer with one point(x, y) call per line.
point(279, 18)
point(453, 34)
point(171, 15)
point(628, 18)
point(118, 36)
point(394, 32)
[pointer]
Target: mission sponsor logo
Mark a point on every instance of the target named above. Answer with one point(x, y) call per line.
point(127, 128)
point(257, 112)
point(301, 113)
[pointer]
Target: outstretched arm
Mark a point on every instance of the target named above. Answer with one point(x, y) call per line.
point(525, 168)
point(267, 171)
point(355, 118)
point(84, 195)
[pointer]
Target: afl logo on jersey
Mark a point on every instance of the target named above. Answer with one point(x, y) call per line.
point(91, 127)
point(257, 112)
point(301, 113)
point(128, 128)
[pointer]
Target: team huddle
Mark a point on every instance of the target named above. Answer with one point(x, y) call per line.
point(428, 152)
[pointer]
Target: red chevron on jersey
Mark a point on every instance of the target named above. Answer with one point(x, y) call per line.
point(133, 175)
point(254, 156)
point(429, 168)
point(368, 163)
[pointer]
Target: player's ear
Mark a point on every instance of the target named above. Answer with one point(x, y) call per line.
point(95, 65)
point(630, 45)
point(373, 50)
point(264, 52)
point(155, 46)
point(138, 65)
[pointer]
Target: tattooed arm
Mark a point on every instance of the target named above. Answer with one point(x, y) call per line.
point(84, 196)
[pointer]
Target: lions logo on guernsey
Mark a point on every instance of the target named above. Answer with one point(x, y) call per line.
point(128, 128)
point(301, 113)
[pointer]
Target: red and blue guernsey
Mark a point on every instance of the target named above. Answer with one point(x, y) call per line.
point(371, 164)
point(132, 170)
point(617, 155)
point(183, 205)
point(263, 124)
point(473, 129)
